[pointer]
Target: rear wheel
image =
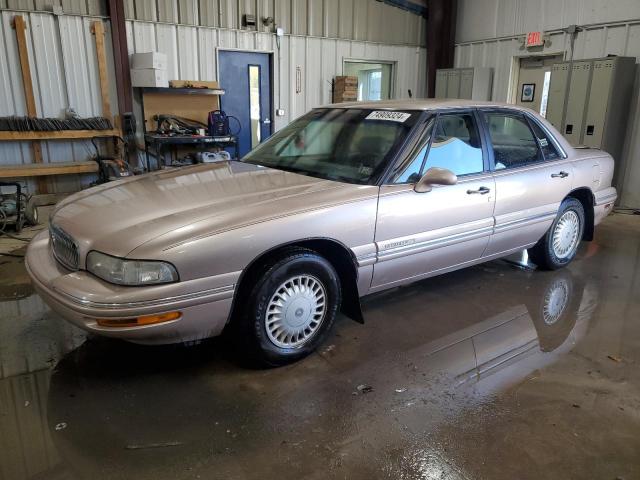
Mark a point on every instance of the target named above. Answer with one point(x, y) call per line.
point(291, 308)
point(560, 244)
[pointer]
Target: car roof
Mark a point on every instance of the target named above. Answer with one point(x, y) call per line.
point(424, 104)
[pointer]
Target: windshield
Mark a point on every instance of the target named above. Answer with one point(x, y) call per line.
point(349, 145)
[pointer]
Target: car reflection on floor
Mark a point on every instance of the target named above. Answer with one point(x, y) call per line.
point(115, 410)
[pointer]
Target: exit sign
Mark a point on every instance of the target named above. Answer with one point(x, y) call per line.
point(534, 39)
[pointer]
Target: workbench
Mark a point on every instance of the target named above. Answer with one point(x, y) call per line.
point(160, 143)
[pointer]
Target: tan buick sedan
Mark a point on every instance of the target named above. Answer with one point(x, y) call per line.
point(348, 200)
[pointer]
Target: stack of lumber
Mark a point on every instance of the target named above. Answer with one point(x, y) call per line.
point(345, 89)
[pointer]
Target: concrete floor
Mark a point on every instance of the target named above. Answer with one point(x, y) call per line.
point(491, 372)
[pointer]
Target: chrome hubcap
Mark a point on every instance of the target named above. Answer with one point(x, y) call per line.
point(296, 311)
point(555, 301)
point(565, 235)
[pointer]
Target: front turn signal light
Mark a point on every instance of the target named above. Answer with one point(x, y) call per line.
point(139, 321)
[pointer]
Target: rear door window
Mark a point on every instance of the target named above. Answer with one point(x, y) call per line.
point(549, 150)
point(514, 144)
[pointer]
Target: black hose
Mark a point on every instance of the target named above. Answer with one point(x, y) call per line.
point(33, 124)
point(239, 126)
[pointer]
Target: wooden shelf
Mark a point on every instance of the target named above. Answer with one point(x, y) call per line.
point(184, 91)
point(56, 135)
point(42, 169)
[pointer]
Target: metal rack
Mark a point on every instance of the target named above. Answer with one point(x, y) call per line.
point(39, 169)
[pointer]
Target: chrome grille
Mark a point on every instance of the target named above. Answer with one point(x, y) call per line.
point(64, 248)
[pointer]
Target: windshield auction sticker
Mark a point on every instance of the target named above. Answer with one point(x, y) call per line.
point(387, 115)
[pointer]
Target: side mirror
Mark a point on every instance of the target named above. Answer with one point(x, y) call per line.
point(435, 176)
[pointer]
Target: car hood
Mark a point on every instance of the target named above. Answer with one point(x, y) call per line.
point(117, 217)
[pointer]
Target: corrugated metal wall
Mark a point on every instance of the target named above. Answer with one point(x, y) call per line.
point(320, 35)
point(191, 55)
point(65, 74)
point(80, 7)
point(611, 28)
point(369, 20)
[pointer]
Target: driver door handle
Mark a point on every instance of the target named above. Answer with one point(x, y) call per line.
point(481, 191)
point(562, 174)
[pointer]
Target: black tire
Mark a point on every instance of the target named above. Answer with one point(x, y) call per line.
point(543, 254)
point(31, 214)
point(251, 327)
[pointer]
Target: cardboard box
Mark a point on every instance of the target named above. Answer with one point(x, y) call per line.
point(340, 97)
point(149, 77)
point(347, 90)
point(193, 84)
point(347, 80)
point(148, 60)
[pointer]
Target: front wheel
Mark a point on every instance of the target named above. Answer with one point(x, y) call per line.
point(291, 308)
point(560, 244)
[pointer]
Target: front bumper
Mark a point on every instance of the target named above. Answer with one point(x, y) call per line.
point(82, 298)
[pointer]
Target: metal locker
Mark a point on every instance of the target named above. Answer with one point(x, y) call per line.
point(441, 84)
point(466, 83)
point(576, 102)
point(557, 94)
point(453, 84)
point(598, 101)
point(607, 110)
point(482, 83)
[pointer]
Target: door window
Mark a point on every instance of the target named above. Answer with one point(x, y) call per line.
point(513, 142)
point(254, 104)
point(549, 150)
point(456, 146)
point(410, 170)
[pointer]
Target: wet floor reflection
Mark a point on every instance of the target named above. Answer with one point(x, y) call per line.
point(427, 353)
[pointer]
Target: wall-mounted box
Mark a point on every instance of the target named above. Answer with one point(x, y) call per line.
point(248, 20)
point(149, 77)
point(155, 60)
point(466, 83)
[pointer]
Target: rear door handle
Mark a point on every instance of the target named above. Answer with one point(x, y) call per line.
point(562, 174)
point(481, 191)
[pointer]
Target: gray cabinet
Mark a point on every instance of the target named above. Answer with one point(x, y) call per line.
point(466, 83)
point(441, 84)
point(557, 94)
point(577, 101)
point(608, 110)
point(589, 101)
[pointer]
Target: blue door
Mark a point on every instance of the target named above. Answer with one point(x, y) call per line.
point(246, 79)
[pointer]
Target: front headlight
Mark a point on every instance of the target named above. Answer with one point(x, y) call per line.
point(130, 272)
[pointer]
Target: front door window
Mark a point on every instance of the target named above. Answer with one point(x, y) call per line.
point(454, 143)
